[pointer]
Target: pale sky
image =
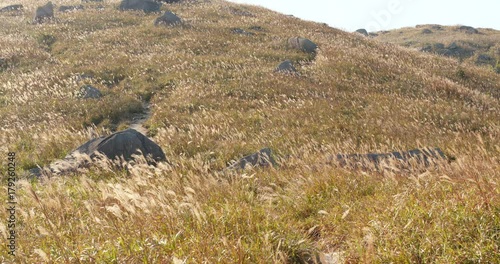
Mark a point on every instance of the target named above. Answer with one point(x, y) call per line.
point(375, 15)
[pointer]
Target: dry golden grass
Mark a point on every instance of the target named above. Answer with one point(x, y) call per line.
point(214, 97)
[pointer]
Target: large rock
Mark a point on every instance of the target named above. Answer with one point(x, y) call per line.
point(11, 8)
point(362, 31)
point(44, 12)
point(422, 157)
point(168, 19)
point(263, 158)
point(148, 6)
point(88, 91)
point(286, 67)
point(303, 44)
point(123, 144)
point(70, 8)
point(485, 59)
point(455, 50)
point(468, 30)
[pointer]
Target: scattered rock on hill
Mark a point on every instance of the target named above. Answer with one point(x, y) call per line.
point(454, 50)
point(148, 6)
point(124, 144)
point(468, 30)
point(426, 31)
point(423, 157)
point(256, 28)
point(87, 91)
point(263, 158)
point(240, 31)
point(286, 67)
point(168, 19)
point(239, 12)
point(70, 8)
point(90, 1)
point(11, 8)
point(44, 12)
point(362, 31)
point(303, 44)
point(485, 59)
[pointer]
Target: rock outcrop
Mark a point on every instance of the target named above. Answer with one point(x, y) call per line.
point(148, 6)
point(43, 13)
point(263, 158)
point(362, 31)
point(88, 91)
point(468, 30)
point(124, 144)
point(422, 157)
point(120, 145)
point(286, 67)
point(11, 8)
point(168, 19)
point(302, 44)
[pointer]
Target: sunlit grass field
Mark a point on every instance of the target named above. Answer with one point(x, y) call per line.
point(214, 97)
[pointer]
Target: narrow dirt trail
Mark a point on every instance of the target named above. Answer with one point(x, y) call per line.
point(138, 120)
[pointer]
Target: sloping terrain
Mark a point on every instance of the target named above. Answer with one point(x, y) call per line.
point(212, 96)
point(478, 46)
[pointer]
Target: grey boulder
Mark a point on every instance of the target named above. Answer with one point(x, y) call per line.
point(168, 19)
point(286, 67)
point(148, 6)
point(484, 59)
point(11, 8)
point(302, 44)
point(362, 31)
point(420, 156)
point(124, 144)
point(88, 91)
point(468, 30)
point(454, 50)
point(263, 158)
point(44, 12)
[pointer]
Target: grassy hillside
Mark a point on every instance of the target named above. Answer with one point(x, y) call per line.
point(214, 97)
point(472, 46)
